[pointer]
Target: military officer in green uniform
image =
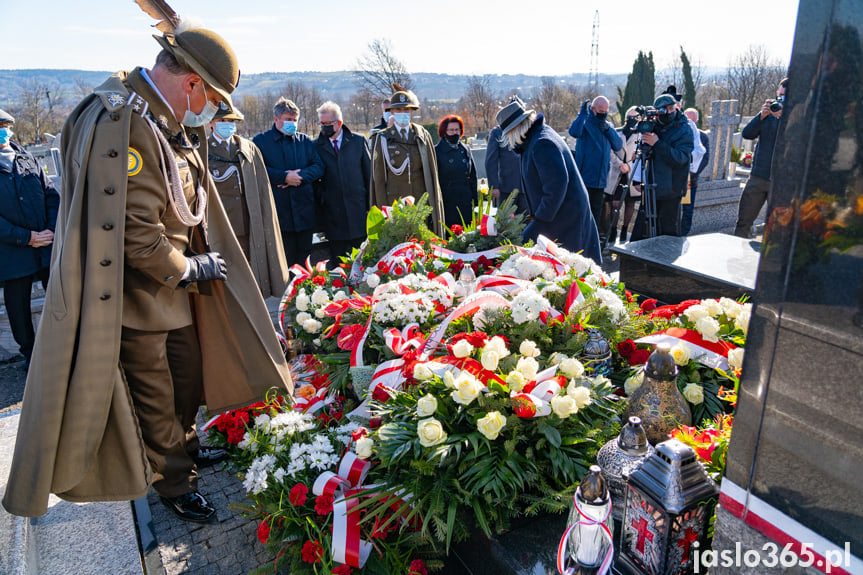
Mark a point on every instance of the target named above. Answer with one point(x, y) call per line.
point(149, 297)
point(404, 161)
point(240, 175)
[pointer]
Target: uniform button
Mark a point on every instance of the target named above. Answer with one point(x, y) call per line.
point(105, 263)
point(109, 190)
point(114, 116)
point(108, 227)
point(112, 153)
point(105, 297)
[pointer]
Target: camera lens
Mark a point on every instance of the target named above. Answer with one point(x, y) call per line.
point(775, 106)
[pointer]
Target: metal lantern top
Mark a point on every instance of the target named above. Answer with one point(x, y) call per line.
point(596, 347)
point(674, 477)
point(593, 488)
point(632, 439)
point(660, 365)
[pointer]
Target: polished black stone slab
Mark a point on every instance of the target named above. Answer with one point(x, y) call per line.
point(672, 269)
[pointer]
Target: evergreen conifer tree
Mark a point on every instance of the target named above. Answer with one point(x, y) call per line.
point(640, 84)
point(689, 90)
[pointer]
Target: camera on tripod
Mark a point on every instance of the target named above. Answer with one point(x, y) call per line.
point(777, 104)
point(646, 121)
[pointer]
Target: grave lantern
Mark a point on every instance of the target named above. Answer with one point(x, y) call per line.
point(620, 457)
point(597, 353)
point(669, 503)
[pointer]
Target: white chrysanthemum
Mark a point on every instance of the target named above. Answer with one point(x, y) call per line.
point(340, 295)
point(311, 326)
point(279, 475)
point(373, 280)
point(597, 279)
point(551, 289)
point(577, 262)
point(320, 313)
point(262, 421)
point(303, 317)
point(320, 297)
point(527, 305)
point(612, 303)
point(247, 441)
point(302, 301)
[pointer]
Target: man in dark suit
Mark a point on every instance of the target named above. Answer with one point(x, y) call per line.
point(342, 193)
point(293, 164)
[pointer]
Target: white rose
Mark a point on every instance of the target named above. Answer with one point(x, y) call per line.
point(430, 432)
point(708, 328)
point(731, 307)
point(735, 358)
point(528, 349)
point(489, 359)
point(491, 424)
point(448, 379)
point(571, 367)
point(742, 321)
point(303, 317)
point(467, 388)
point(693, 393)
point(563, 406)
point(317, 341)
point(580, 394)
point(463, 348)
point(320, 313)
point(696, 312)
point(302, 301)
point(556, 358)
point(373, 281)
point(311, 326)
point(497, 345)
point(515, 381)
point(714, 308)
point(426, 405)
point(363, 447)
point(422, 372)
point(528, 367)
point(599, 381)
point(633, 382)
point(680, 353)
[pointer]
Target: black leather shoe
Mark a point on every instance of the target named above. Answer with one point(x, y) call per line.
point(190, 506)
point(207, 456)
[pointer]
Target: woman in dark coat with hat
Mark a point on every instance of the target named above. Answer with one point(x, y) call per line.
point(555, 194)
point(456, 172)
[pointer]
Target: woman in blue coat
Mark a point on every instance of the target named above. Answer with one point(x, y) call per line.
point(556, 196)
point(456, 172)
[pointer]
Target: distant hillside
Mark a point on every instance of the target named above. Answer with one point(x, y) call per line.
point(333, 85)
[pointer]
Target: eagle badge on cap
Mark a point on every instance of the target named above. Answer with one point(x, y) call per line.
point(116, 100)
point(163, 121)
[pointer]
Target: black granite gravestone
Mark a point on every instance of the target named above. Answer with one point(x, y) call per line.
point(672, 269)
point(795, 460)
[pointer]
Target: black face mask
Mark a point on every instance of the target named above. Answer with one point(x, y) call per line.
point(328, 131)
point(666, 118)
point(602, 117)
point(453, 138)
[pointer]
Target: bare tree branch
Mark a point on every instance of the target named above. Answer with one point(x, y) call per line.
point(378, 68)
point(752, 77)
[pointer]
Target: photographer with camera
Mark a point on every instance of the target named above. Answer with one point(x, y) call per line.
point(666, 146)
point(763, 127)
point(595, 139)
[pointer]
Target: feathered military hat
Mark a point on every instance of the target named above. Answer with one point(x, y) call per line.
point(403, 98)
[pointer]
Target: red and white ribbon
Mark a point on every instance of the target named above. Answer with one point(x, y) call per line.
point(442, 252)
point(586, 521)
point(488, 226)
point(542, 256)
point(573, 297)
point(313, 404)
point(347, 545)
point(544, 388)
point(709, 353)
point(472, 305)
point(502, 284)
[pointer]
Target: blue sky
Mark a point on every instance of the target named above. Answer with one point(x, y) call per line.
point(544, 37)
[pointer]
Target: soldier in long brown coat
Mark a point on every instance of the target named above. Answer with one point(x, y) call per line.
point(149, 296)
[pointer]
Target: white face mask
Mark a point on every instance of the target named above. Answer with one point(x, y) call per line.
point(403, 119)
point(193, 120)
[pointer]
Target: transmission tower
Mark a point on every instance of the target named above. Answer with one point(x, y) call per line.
point(593, 79)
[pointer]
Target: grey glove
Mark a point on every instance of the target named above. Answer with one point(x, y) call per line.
point(205, 267)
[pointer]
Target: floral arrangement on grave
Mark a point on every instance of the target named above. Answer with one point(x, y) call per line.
point(710, 442)
point(706, 338)
point(300, 467)
point(746, 160)
point(487, 231)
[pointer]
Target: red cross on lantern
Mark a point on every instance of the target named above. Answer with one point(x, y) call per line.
point(643, 533)
point(686, 542)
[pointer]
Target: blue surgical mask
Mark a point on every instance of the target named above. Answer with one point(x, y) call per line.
point(289, 128)
point(193, 120)
point(403, 119)
point(5, 136)
point(387, 116)
point(225, 129)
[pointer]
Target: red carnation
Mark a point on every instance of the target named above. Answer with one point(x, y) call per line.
point(384, 268)
point(312, 552)
point(431, 275)
point(477, 339)
point(342, 570)
point(648, 305)
point(236, 435)
point(639, 357)
point(457, 230)
point(263, 532)
point(664, 312)
point(297, 496)
point(359, 433)
point(319, 280)
point(625, 348)
point(324, 504)
point(337, 283)
point(417, 568)
point(685, 305)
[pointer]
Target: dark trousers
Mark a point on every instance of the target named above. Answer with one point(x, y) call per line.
point(597, 198)
point(340, 248)
point(298, 246)
point(163, 371)
point(754, 195)
point(16, 294)
point(667, 219)
point(686, 210)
